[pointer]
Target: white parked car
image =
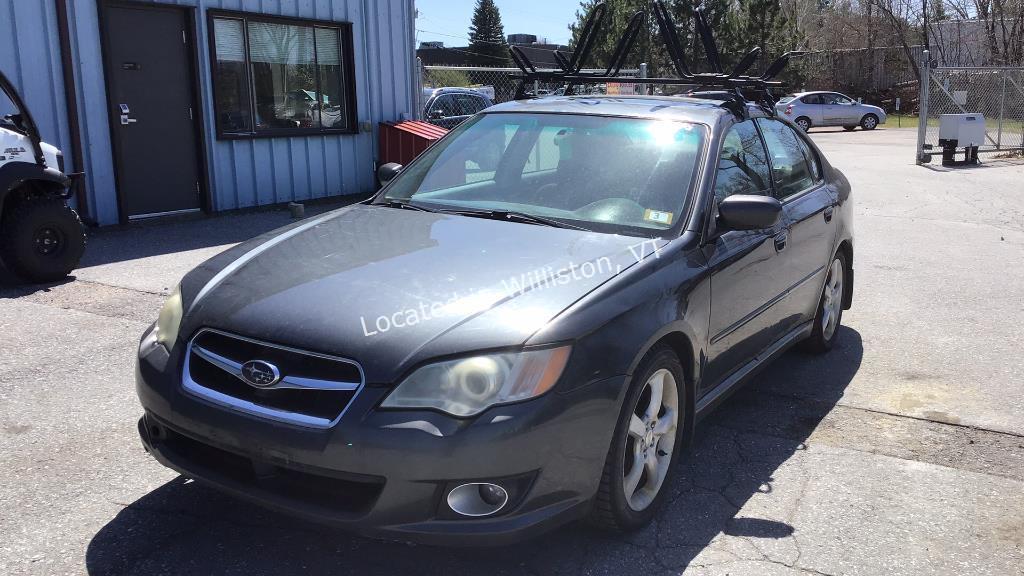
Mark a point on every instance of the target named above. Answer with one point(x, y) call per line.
point(809, 109)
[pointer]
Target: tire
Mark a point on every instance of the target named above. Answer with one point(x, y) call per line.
point(829, 314)
point(869, 122)
point(41, 239)
point(804, 123)
point(613, 510)
point(849, 128)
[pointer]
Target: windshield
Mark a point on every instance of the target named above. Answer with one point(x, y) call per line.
point(617, 175)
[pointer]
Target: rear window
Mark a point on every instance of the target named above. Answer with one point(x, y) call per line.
point(787, 98)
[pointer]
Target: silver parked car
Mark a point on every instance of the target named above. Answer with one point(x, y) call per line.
point(807, 109)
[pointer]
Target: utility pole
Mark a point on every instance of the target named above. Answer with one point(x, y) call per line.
point(924, 15)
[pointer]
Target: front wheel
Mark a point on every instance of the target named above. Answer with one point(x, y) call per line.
point(830, 308)
point(41, 239)
point(869, 122)
point(646, 445)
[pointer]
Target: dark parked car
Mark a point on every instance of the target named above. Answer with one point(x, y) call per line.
point(476, 355)
point(449, 107)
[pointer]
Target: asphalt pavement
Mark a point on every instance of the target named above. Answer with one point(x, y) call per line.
point(900, 452)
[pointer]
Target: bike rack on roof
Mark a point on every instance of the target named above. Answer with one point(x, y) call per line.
point(738, 89)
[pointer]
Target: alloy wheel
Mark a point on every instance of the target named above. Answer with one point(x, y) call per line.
point(651, 439)
point(870, 122)
point(832, 303)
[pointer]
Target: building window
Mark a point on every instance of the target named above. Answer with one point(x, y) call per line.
point(280, 77)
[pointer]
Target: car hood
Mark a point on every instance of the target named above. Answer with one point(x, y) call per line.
point(391, 287)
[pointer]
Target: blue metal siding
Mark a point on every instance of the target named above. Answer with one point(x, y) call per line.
point(32, 63)
point(243, 173)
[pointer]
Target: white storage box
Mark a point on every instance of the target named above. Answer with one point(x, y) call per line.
point(964, 129)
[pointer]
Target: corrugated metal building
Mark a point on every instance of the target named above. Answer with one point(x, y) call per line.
point(175, 106)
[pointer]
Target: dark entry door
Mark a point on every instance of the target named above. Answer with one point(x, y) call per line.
point(150, 93)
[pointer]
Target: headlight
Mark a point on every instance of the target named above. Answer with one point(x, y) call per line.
point(169, 321)
point(468, 386)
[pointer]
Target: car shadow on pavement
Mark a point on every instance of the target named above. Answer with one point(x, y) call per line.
point(184, 527)
point(175, 234)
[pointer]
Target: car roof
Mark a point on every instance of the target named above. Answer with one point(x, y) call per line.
point(455, 90)
point(799, 94)
point(680, 108)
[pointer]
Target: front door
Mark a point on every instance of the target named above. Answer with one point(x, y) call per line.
point(838, 110)
point(747, 280)
point(808, 205)
point(150, 97)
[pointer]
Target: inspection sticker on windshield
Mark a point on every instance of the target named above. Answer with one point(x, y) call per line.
point(658, 216)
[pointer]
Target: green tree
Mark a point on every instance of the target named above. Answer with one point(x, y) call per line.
point(739, 25)
point(487, 36)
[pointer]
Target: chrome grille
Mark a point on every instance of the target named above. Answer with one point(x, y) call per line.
point(314, 390)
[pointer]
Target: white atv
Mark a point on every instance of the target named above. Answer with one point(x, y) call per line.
point(41, 237)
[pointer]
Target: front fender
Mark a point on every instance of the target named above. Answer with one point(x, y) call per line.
point(14, 174)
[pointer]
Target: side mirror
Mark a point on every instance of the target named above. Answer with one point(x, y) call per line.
point(387, 172)
point(748, 212)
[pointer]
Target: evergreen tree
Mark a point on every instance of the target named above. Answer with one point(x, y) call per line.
point(739, 25)
point(487, 36)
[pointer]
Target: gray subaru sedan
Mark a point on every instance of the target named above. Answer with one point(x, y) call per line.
point(518, 331)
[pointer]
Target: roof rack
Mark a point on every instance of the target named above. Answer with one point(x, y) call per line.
point(736, 89)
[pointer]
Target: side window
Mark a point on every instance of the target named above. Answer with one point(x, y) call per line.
point(469, 104)
point(743, 165)
point(812, 159)
point(444, 105)
point(811, 99)
point(833, 98)
point(791, 170)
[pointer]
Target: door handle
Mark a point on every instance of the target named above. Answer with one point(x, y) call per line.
point(780, 241)
point(828, 213)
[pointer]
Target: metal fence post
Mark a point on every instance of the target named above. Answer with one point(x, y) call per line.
point(922, 114)
point(418, 112)
point(1002, 109)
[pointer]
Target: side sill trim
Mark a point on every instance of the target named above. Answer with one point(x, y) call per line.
point(722, 391)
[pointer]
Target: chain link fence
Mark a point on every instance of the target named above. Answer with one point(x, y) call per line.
point(997, 93)
point(500, 84)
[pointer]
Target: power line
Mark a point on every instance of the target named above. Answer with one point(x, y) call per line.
point(472, 53)
point(461, 37)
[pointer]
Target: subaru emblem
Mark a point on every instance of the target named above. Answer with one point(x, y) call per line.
point(260, 374)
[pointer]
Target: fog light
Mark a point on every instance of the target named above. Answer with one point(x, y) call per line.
point(477, 499)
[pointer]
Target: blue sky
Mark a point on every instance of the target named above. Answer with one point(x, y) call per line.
point(443, 19)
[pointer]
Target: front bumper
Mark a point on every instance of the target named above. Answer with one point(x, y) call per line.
point(386, 473)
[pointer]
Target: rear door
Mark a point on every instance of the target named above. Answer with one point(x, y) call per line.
point(150, 98)
point(812, 108)
point(808, 207)
point(746, 275)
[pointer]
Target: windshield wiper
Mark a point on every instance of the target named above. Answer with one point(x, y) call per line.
point(395, 203)
point(513, 216)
